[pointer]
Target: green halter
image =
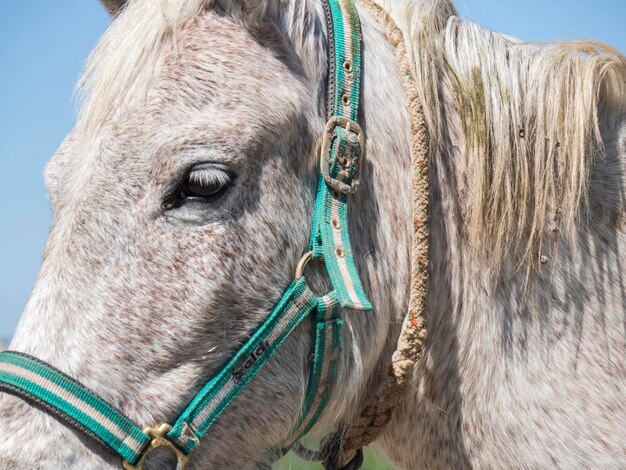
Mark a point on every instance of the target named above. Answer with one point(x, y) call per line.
point(340, 164)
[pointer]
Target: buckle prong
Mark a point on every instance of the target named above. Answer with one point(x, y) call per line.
point(325, 161)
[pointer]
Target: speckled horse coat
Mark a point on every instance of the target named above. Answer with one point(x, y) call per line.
point(219, 106)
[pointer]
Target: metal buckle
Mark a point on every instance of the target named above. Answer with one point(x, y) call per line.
point(159, 441)
point(350, 126)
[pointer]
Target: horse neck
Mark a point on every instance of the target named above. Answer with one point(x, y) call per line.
point(499, 357)
point(503, 350)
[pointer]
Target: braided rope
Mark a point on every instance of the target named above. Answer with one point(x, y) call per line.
point(378, 411)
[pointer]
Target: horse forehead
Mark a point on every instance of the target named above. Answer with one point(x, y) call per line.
point(217, 64)
point(218, 85)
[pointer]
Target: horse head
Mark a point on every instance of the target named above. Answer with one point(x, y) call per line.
point(182, 202)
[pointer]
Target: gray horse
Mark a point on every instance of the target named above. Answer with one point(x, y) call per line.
point(183, 199)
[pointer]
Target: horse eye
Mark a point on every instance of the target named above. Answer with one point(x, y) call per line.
point(204, 183)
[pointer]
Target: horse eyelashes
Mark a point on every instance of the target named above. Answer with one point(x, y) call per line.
point(205, 182)
point(208, 178)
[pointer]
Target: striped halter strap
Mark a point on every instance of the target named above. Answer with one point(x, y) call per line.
point(341, 160)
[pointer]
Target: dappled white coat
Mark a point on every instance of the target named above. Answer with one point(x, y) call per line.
point(524, 365)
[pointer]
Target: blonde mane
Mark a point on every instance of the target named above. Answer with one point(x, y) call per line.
point(531, 117)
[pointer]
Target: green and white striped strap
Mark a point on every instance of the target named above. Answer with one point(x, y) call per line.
point(327, 339)
point(34, 381)
point(49, 388)
point(342, 156)
point(345, 62)
point(295, 305)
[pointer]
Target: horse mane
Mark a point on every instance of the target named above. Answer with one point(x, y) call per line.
point(532, 118)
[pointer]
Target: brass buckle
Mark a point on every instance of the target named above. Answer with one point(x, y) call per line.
point(159, 441)
point(350, 126)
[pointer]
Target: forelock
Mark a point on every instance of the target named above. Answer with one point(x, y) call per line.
point(131, 52)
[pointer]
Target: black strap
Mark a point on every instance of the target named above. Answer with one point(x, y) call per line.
point(332, 449)
point(332, 460)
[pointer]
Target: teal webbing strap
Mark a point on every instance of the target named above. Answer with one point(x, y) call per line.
point(347, 37)
point(342, 156)
point(34, 381)
point(341, 159)
point(295, 305)
point(327, 338)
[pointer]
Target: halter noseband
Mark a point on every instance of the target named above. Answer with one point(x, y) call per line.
point(341, 160)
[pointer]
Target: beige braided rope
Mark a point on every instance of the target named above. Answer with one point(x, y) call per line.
point(377, 413)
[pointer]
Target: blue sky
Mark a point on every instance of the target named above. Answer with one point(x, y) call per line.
point(43, 46)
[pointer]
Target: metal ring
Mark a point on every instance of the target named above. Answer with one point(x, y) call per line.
point(302, 264)
point(160, 440)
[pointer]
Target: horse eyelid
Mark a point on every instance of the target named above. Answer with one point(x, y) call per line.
point(206, 173)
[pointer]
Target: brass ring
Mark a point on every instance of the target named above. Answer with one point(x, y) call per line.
point(159, 440)
point(302, 264)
